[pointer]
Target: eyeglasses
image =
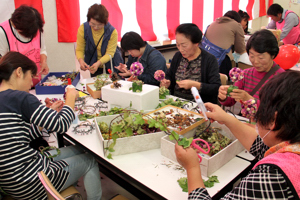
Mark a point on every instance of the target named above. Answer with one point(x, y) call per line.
point(95, 25)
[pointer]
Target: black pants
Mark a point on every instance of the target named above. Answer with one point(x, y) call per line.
point(225, 66)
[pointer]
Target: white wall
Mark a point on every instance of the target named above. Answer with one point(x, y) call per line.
point(61, 56)
point(263, 21)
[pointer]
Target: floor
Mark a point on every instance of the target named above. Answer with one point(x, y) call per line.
point(109, 187)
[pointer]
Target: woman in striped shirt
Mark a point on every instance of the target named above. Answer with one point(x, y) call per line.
point(262, 48)
point(21, 115)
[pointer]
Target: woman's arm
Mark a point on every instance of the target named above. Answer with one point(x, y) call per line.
point(111, 48)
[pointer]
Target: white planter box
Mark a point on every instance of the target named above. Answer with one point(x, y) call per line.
point(209, 164)
point(148, 99)
point(129, 144)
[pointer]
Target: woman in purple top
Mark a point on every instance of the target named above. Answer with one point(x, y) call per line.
point(262, 48)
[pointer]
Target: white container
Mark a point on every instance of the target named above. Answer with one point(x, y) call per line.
point(209, 164)
point(129, 144)
point(148, 99)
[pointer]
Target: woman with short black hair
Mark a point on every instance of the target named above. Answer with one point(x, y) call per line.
point(140, 51)
point(244, 20)
point(23, 32)
point(192, 66)
point(262, 48)
point(275, 143)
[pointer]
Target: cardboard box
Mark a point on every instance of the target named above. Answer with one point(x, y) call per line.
point(96, 94)
point(209, 164)
point(190, 129)
point(39, 89)
point(129, 144)
point(122, 97)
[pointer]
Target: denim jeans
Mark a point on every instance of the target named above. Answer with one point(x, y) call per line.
point(81, 164)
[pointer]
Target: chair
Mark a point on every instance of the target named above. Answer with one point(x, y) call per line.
point(224, 79)
point(243, 65)
point(53, 194)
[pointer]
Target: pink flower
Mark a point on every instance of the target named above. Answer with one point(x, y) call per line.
point(236, 74)
point(159, 75)
point(136, 68)
point(249, 108)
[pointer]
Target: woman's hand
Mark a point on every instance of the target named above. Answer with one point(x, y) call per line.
point(57, 106)
point(83, 65)
point(187, 158)
point(239, 95)
point(122, 68)
point(95, 67)
point(125, 72)
point(44, 68)
point(132, 78)
point(223, 92)
point(187, 84)
point(216, 113)
point(165, 83)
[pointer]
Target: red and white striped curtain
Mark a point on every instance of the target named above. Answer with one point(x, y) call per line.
point(152, 19)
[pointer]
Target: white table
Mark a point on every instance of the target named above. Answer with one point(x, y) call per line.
point(148, 174)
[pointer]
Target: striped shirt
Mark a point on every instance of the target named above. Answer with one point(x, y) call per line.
point(20, 115)
point(266, 181)
point(248, 83)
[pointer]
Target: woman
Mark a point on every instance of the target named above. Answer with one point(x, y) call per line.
point(225, 34)
point(140, 51)
point(275, 143)
point(97, 42)
point(244, 20)
point(23, 32)
point(262, 48)
point(192, 67)
point(21, 114)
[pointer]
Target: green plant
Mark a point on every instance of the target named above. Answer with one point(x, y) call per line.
point(163, 92)
point(178, 103)
point(210, 182)
point(137, 86)
point(101, 81)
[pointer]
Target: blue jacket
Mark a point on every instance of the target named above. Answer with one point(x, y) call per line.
point(90, 46)
point(152, 60)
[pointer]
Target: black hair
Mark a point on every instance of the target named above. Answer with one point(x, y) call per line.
point(131, 40)
point(190, 31)
point(275, 9)
point(11, 61)
point(263, 41)
point(244, 16)
point(98, 12)
point(27, 21)
point(233, 15)
point(279, 103)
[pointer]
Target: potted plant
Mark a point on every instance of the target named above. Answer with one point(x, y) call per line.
point(136, 69)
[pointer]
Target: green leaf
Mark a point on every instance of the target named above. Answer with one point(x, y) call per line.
point(130, 104)
point(151, 123)
point(183, 184)
point(116, 129)
point(114, 137)
point(111, 147)
point(211, 181)
point(139, 120)
point(109, 156)
point(129, 131)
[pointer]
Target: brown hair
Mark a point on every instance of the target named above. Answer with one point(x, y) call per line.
point(11, 61)
point(98, 12)
point(27, 20)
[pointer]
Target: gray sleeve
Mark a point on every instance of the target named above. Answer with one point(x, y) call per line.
point(291, 20)
point(271, 25)
point(3, 43)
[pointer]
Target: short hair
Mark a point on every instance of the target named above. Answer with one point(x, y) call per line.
point(11, 61)
point(131, 40)
point(279, 103)
point(27, 20)
point(275, 9)
point(190, 31)
point(233, 15)
point(263, 41)
point(98, 12)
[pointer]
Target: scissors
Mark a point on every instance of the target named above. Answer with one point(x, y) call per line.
point(195, 145)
